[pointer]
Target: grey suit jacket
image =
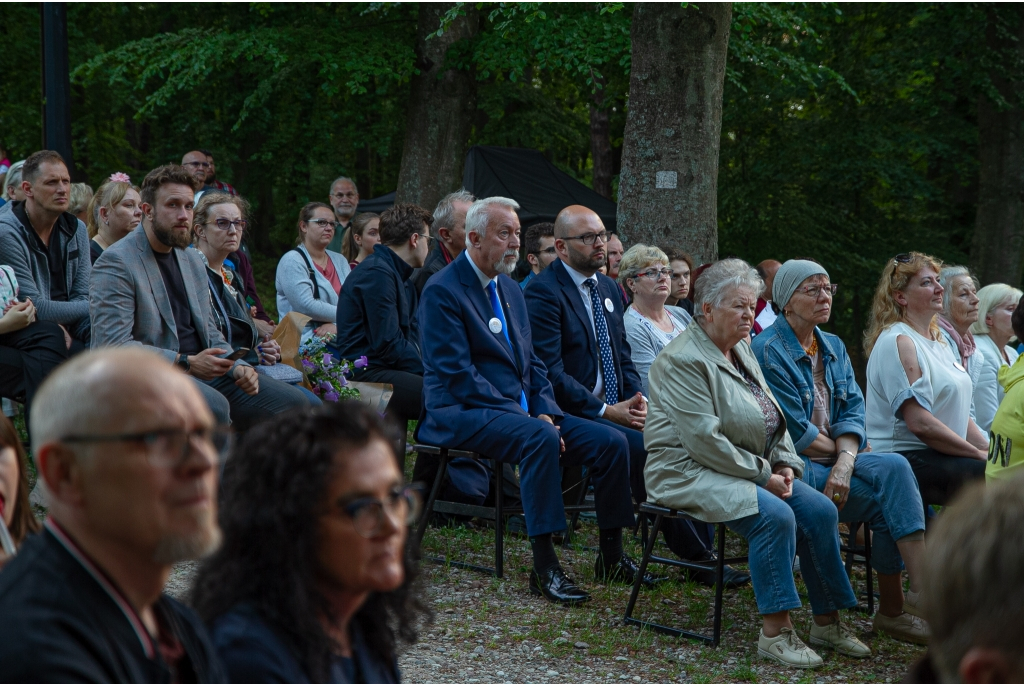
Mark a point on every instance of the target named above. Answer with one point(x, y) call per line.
point(128, 302)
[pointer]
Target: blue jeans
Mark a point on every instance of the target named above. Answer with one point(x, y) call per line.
point(805, 524)
point(883, 493)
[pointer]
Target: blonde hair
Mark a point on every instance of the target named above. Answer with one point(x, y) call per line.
point(107, 195)
point(991, 296)
point(79, 198)
point(885, 310)
point(208, 201)
point(638, 258)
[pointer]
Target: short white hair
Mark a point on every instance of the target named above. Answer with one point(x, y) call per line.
point(990, 297)
point(720, 280)
point(946, 277)
point(444, 213)
point(480, 213)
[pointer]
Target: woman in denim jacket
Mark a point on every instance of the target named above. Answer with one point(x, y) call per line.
point(810, 374)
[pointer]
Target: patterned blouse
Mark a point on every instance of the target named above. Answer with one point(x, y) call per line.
point(772, 419)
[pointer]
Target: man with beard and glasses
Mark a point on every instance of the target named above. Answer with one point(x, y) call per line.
point(576, 316)
point(148, 290)
point(344, 198)
point(129, 457)
point(485, 390)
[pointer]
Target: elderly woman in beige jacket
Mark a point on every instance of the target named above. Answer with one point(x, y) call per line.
point(718, 450)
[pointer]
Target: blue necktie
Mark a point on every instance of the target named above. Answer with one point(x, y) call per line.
point(492, 292)
point(611, 383)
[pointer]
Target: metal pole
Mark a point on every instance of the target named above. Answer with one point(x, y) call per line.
point(56, 81)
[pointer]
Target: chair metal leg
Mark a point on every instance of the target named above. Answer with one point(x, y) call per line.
point(428, 510)
point(719, 585)
point(499, 519)
point(648, 551)
point(867, 564)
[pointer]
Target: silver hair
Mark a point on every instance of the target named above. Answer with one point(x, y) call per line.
point(444, 213)
point(342, 178)
point(946, 276)
point(479, 214)
point(720, 280)
point(13, 178)
point(638, 258)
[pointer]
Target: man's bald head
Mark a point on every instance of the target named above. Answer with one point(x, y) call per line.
point(114, 388)
point(574, 217)
point(767, 270)
point(197, 164)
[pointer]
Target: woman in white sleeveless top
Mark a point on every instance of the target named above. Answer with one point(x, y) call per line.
point(918, 393)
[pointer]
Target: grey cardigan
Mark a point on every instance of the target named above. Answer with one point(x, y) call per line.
point(129, 302)
point(18, 250)
point(645, 343)
point(295, 287)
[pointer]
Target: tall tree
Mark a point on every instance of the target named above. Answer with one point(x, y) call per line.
point(442, 105)
point(668, 190)
point(998, 247)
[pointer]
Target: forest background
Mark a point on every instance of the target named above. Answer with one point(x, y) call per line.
point(849, 132)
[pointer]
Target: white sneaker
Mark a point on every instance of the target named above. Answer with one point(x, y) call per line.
point(905, 627)
point(788, 650)
point(840, 638)
point(913, 604)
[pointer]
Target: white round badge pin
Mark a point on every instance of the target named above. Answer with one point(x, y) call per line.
point(495, 325)
point(608, 305)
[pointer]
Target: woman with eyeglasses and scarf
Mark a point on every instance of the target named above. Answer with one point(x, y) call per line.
point(316, 579)
point(919, 393)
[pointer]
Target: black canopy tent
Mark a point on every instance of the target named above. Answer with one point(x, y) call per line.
point(541, 189)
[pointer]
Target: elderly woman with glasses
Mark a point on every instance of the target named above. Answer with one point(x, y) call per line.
point(810, 374)
point(992, 333)
point(919, 394)
point(650, 324)
point(719, 450)
point(309, 276)
point(316, 579)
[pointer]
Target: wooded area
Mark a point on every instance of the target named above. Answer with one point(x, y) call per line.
point(847, 133)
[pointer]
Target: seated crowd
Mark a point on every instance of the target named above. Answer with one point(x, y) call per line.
point(711, 390)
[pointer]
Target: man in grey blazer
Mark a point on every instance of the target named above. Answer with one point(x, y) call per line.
point(148, 290)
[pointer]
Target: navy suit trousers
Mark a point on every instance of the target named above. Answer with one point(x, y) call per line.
point(534, 445)
point(687, 539)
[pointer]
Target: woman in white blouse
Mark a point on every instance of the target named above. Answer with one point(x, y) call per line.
point(650, 324)
point(918, 393)
point(992, 333)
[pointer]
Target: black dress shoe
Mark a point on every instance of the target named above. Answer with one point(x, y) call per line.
point(733, 578)
point(623, 571)
point(556, 586)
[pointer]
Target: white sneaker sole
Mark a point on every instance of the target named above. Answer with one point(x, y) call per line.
point(772, 657)
point(818, 642)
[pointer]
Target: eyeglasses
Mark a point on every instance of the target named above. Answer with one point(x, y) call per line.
point(815, 290)
point(367, 513)
point(590, 238)
point(655, 274)
point(323, 223)
point(169, 448)
point(429, 238)
point(342, 196)
point(227, 224)
point(202, 165)
point(546, 250)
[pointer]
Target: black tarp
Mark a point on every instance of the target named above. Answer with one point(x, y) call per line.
point(541, 189)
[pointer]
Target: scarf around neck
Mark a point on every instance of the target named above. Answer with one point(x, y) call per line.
point(965, 344)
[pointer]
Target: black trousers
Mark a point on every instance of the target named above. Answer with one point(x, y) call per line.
point(407, 402)
point(27, 357)
point(940, 476)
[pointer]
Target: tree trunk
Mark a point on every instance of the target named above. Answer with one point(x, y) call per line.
point(997, 252)
point(442, 104)
point(668, 188)
point(601, 145)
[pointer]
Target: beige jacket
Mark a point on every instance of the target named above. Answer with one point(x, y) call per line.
point(705, 431)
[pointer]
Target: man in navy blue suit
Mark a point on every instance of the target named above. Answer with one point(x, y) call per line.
point(576, 317)
point(486, 391)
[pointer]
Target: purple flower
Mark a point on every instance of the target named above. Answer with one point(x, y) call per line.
point(328, 361)
point(331, 396)
point(343, 382)
point(307, 365)
point(316, 390)
point(362, 362)
point(326, 386)
point(344, 367)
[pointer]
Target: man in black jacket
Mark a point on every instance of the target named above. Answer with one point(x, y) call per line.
point(450, 228)
point(377, 309)
point(129, 453)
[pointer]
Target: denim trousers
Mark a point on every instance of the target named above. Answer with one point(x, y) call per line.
point(884, 494)
point(805, 524)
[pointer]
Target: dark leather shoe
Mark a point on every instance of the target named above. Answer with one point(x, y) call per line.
point(556, 586)
point(624, 571)
point(733, 578)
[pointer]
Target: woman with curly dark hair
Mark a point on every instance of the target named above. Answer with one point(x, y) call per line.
point(314, 581)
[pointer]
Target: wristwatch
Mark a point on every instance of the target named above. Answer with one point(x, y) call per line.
point(181, 361)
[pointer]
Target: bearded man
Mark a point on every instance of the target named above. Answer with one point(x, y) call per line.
point(151, 292)
point(129, 457)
